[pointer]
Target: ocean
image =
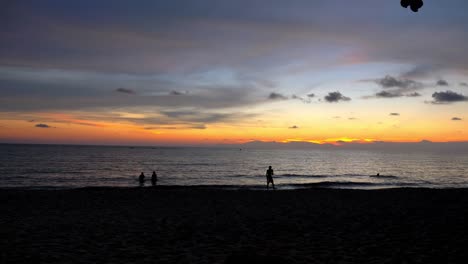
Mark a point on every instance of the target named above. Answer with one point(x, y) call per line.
point(65, 166)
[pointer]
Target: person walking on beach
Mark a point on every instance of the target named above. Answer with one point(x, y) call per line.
point(141, 179)
point(154, 178)
point(269, 176)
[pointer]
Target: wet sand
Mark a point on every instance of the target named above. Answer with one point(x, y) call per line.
point(202, 225)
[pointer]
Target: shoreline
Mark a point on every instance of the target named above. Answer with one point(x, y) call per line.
point(254, 188)
point(186, 225)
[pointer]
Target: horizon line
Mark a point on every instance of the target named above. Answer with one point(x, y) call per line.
point(329, 144)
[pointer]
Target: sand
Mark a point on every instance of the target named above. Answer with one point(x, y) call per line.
point(203, 225)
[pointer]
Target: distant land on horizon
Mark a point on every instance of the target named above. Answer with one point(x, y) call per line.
point(257, 144)
point(381, 145)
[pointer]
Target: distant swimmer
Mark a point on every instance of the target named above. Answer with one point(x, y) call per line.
point(154, 178)
point(384, 176)
point(141, 179)
point(269, 176)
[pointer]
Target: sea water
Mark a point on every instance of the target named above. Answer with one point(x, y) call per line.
point(60, 166)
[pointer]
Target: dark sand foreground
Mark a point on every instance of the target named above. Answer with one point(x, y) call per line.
point(181, 225)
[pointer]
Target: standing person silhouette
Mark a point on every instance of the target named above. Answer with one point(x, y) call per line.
point(154, 178)
point(269, 176)
point(141, 179)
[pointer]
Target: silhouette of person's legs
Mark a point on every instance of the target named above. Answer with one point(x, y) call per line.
point(272, 184)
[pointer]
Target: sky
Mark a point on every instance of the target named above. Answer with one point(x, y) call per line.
point(227, 72)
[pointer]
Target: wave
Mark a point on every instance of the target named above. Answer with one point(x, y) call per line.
point(350, 184)
point(291, 186)
point(50, 171)
point(302, 175)
point(256, 187)
point(347, 175)
point(384, 176)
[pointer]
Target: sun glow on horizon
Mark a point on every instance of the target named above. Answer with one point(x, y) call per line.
point(63, 128)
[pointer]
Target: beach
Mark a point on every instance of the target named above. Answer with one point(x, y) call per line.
point(215, 225)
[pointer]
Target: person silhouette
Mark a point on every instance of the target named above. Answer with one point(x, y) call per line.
point(154, 178)
point(269, 176)
point(141, 179)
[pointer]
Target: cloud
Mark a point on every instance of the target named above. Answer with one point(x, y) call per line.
point(420, 71)
point(201, 126)
point(463, 84)
point(295, 97)
point(394, 114)
point(189, 118)
point(456, 119)
point(84, 123)
point(415, 94)
point(448, 97)
point(145, 44)
point(352, 118)
point(255, 80)
point(234, 35)
point(396, 87)
point(125, 91)
point(334, 97)
point(81, 118)
point(393, 94)
point(393, 82)
point(151, 118)
point(311, 95)
point(196, 126)
point(72, 90)
point(293, 127)
point(386, 94)
point(194, 116)
point(277, 96)
point(442, 83)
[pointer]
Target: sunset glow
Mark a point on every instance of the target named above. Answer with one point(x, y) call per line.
point(229, 74)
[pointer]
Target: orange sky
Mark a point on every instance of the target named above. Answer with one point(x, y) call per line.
point(65, 128)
